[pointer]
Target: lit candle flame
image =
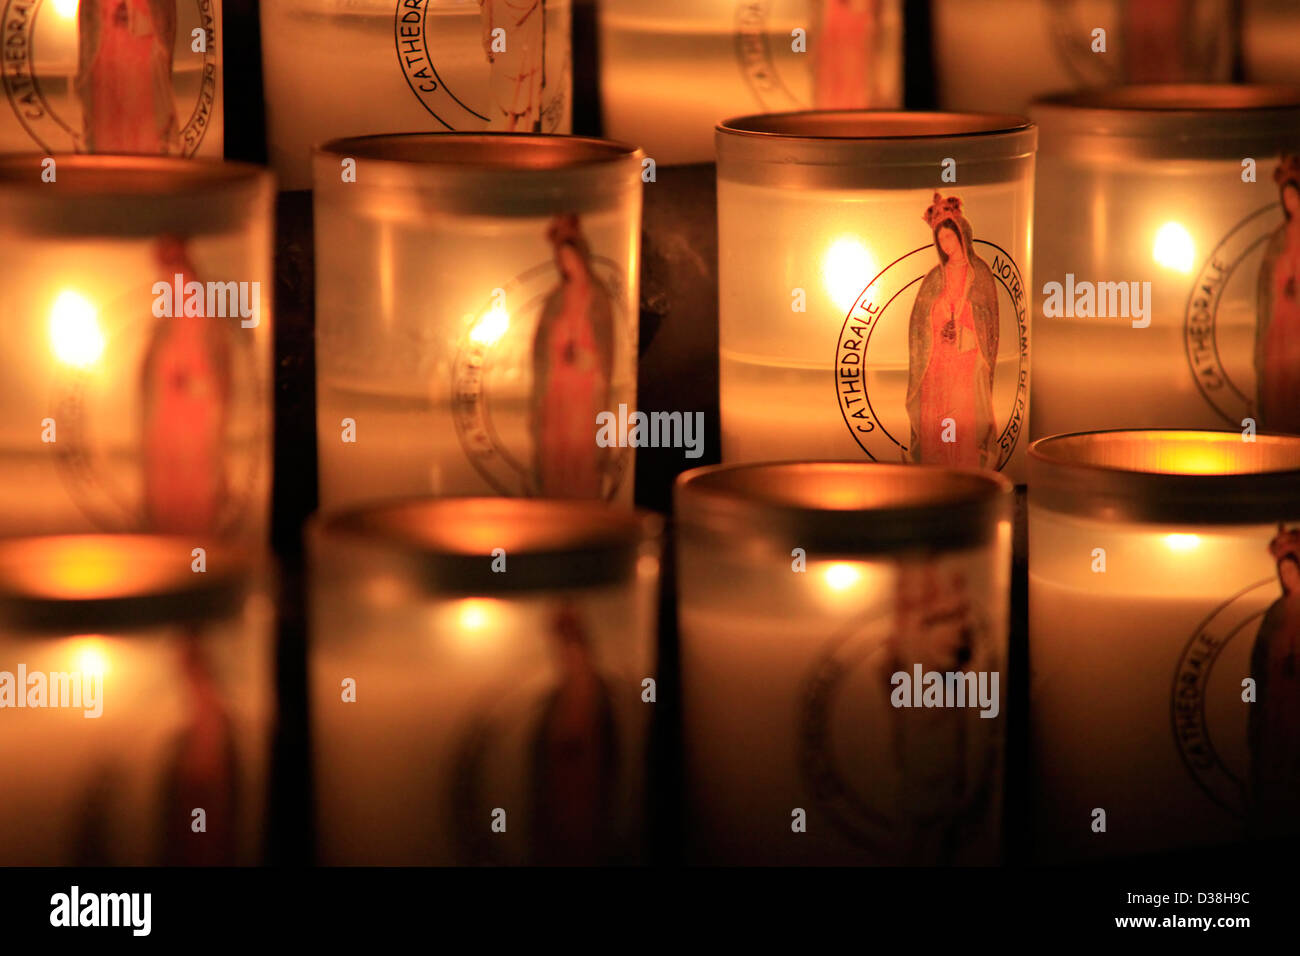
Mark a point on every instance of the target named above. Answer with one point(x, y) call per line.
point(1174, 248)
point(91, 656)
point(846, 270)
point(1182, 542)
point(75, 335)
point(66, 8)
point(491, 327)
point(475, 615)
point(841, 576)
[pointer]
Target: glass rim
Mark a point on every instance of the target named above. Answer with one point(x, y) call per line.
point(844, 507)
point(1174, 475)
point(80, 175)
point(1176, 98)
point(119, 582)
point(549, 543)
point(831, 126)
point(528, 152)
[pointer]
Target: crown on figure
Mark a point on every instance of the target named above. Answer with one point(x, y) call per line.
point(1286, 544)
point(941, 209)
point(1288, 169)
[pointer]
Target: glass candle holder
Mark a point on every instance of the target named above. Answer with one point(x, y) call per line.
point(1165, 297)
point(868, 308)
point(136, 702)
point(136, 383)
point(410, 67)
point(1001, 54)
point(670, 71)
point(108, 76)
point(482, 678)
point(476, 315)
point(820, 605)
point(1164, 578)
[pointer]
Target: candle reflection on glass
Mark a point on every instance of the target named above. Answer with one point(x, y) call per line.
point(479, 676)
point(671, 70)
point(1165, 297)
point(418, 66)
point(477, 310)
point(805, 591)
point(1001, 54)
point(133, 693)
point(1163, 590)
point(846, 262)
point(137, 378)
point(113, 76)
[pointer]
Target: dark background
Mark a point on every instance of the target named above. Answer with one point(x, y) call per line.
point(677, 371)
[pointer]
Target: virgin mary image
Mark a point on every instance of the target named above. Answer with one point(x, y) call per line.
point(1277, 326)
point(573, 360)
point(1274, 722)
point(953, 348)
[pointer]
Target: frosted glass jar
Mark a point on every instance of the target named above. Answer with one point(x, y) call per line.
point(501, 658)
point(336, 68)
point(134, 691)
point(136, 381)
point(1187, 192)
point(476, 310)
point(814, 599)
point(1001, 54)
point(671, 70)
point(867, 307)
point(1164, 590)
point(113, 76)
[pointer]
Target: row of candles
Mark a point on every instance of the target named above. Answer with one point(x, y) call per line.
point(483, 602)
point(668, 71)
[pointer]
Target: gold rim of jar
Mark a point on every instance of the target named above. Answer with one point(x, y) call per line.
point(513, 152)
point(447, 544)
point(1168, 121)
point(1178, 476)
point(78, 175)
point(131, 196)
point(86, 584)
point(865, 149)
point(408, 176)
point(842, 508)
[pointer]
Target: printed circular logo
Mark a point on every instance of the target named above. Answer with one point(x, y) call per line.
point(1251, 767)
point(160, 426)
point(498, 64)
point(1245, 366)
point(956, 309)
point(111, 76)
point(754, 53)
point(536, 366)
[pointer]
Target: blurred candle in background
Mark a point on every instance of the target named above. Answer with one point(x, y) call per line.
point(350, 67)
point(671, 70)
point(1164, 629)
point(478, 674)
point(113, 76)
point(1173, 246)
point(476, 310)
point(804, 590)
point(136, 384)
point(1270, 32)
point(1001, 54)
point(873, 275)
point(133, 691)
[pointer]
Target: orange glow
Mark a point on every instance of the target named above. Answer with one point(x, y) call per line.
point(841, 576)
